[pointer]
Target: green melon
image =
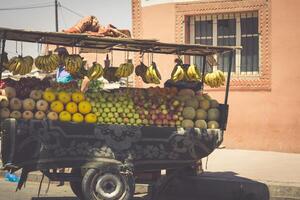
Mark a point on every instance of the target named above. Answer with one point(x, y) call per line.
point(193, 102)
point(213, 125)
point(200, 97)
point(206, 96)
point(213, 114)
point(183, 98)
point(187, 123)
point(201, 124)
point(205, 104)
point(214, 103)
point(188, 113)
point(186, 92)
point(201, 114)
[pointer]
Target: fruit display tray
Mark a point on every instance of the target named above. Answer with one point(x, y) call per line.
point(43, 144)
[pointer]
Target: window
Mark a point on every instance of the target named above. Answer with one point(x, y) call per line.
point(235, 29)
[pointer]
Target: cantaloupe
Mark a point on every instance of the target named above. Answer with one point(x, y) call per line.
point(4, 113)
point(213, 114)
point(188, 113)
point(201, 114)
point(28, 104)
point(15, 104)
point(15, 114)
point(187, 123)
point(205, 104)
point(213, 125)
point(192, 102)
point(201, 124)
point(214, 103)
point(27, 115)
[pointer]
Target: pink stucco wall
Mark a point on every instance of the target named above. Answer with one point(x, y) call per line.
point(260, 120)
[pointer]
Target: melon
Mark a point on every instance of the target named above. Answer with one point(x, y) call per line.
point(188, 113)
point(213, 114)
point(64, 97)
point(42, 105)
point(28, 104)
point(183, 98)
point(36, 94)
point(187, 123)
point(200, 97)
point(201, 124)
point(10, 92)
point(213, 125)
point(15, 104)
point(15, 114)
point(186, 92)
point(27, 115)
point(201, 114)
point(52, 116)
point(4, 101)
point(39, 115)
point(205, 104)
point(206, 96)
point(214, 103)
point(4, 113)
point(192, 102)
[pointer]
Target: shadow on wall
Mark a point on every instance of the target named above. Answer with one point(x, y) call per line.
point(216, 186)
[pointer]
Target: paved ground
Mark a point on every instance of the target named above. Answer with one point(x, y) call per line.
point(257, 165)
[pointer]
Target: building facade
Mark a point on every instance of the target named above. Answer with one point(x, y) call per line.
point(264, 100)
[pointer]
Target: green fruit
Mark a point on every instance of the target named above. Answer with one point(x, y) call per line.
point(103, 105)
point(113, 120)
point(97, 114)
point(104, 115)
point(201, 124)
point(138, 121)
point(116, 114)
point(213, 125)
point(106, 120)
point(109, 105)
point(100, 119)
point(94, 109)
point(118, 105)
point(193, 102)
point(98, 105)
point(107, 110)
point(130, 115)
point(120, 110)
point(131, 120)
point(136, 116)
point(214, 103)
point(119, 120)
point(110, 115)
point(126, 110)
point(205, 104)
point(187, 123)
point(201, 114)
point(130, 106)
point(188, 113)
point(213, 114)
point(113, 109)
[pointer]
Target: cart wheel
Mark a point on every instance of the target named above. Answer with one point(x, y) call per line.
point(76, 185)
point(107, 184)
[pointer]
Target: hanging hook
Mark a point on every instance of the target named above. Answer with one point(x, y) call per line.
point(17, 48)
point(22, 49)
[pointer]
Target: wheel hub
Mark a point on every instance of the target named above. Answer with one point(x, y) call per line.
point(109, 186)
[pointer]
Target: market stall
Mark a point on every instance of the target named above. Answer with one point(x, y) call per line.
point(113, 135)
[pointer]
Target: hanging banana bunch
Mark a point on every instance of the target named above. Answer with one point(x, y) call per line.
point(125, 69)
point(73, 63)
point(95, 72)
point(152, 74)
point(20, 65)
point(47, 63)
point(215, 79)
point(193, 73)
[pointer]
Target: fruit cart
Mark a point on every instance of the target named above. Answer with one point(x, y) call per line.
point(107, 159)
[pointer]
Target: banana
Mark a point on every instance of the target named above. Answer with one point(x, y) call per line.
point(95, 72)
point(179, 74)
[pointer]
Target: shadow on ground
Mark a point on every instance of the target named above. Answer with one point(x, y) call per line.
point(217, 186)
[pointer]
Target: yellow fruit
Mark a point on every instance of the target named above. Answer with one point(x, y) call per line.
point(65, 116)
point(84, 107)
point(77, 97)
point(77, 117)
point(64, 97)
point(71, 107)
point(57, 106)
point(49, 96)
point(90, 118)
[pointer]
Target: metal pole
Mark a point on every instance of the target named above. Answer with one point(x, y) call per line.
point(2, 55)
point(203, 71)
point(228, 76)
point(56, 16)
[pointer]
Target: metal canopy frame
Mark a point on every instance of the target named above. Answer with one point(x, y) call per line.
point(89, 44)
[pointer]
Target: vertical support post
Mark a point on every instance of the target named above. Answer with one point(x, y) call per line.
point(228, 76)
point(2, 54)
point(203, 71)
point(56, 16)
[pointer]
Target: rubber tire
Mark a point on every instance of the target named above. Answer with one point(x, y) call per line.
point(91, 174)
point(76, 185)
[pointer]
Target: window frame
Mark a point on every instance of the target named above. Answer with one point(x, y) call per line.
point(193, 19)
